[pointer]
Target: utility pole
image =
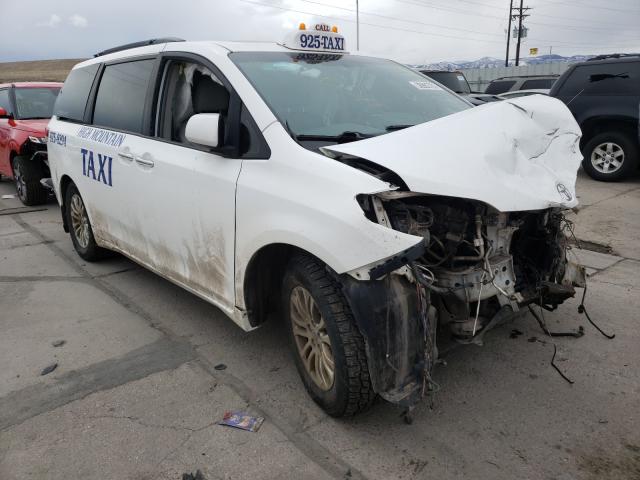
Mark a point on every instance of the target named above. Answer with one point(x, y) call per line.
point(520, 16)
point(506, 60)
point(358, 26)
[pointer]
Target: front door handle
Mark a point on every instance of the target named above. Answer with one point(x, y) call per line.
point(126, 156)
point(144, 162)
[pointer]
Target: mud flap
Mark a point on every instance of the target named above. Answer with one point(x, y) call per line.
point(392, 316)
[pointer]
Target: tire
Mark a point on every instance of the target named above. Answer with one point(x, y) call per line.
point(348, 391)
point(26, 176)
point(80, 227)
point(611, 156)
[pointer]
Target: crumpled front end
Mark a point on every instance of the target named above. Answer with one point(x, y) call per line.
point(476, 268)
point(494, 233)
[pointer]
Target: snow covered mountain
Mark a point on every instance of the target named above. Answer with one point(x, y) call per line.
point(490, 62)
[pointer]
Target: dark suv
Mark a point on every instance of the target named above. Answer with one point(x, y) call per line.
point(457, 82)
point(604, 96)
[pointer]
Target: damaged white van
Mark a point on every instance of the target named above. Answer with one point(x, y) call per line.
point(373, 209)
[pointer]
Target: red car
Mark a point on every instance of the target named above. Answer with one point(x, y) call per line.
point(25, 110)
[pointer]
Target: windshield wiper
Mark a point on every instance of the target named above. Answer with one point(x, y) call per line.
point(393, 128)
point(344, 137)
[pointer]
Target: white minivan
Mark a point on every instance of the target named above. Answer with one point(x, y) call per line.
point(370, 208)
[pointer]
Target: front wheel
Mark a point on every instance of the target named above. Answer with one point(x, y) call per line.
point(27, 175)
point(80, 227)
point(611, 156)
point(329, 351)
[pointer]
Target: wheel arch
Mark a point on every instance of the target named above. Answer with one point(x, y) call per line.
point(65, 182)
point(596, 125)
point(262, 280)
point(12, 155)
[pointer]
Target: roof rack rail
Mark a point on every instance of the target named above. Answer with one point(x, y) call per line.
point(529, 76)
point(143, 43)
point(613, 55)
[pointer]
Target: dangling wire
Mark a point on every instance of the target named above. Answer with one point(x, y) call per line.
point(568, 225)
point(543, 325)
point(583, 309)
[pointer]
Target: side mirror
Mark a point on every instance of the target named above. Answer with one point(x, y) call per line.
point(202, 129)
point(5, 114)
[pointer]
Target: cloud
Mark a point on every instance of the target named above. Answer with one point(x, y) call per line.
point(54, 21)
point(78, 21)
point(409, 31)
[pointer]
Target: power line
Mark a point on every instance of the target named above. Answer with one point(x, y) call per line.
point(342, 19)
point(586, 5)
point(476, 14)
point(387, 17)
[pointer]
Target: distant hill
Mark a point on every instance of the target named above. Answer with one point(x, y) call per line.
point(37, 71)
point(491, 62)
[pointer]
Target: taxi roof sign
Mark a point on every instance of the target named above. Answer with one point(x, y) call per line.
point(319, 38)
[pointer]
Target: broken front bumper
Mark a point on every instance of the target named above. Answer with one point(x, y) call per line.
point(398, 320)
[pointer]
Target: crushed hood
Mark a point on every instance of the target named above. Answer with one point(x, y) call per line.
point(520, 154)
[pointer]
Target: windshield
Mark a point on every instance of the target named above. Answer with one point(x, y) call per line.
point(452, 80)
point(338, 98)
point(35, 102)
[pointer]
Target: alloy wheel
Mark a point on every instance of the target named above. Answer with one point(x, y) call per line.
point(79, 221)
point(311, 338)
point(21, 186)
point(607, 157)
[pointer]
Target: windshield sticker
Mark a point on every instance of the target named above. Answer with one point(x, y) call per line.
point(424, 85)
point(112, 139)
point(461, 78)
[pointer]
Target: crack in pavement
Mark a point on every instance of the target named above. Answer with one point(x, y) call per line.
point(608, 198)
point(42, 278)
point(140, 422)
point(28, 402)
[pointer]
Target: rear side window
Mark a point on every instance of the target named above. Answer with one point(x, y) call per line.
point(4, 100)
point(496, 88)
point(72, 100)
point(538, 83)
point(603, 79)
point(121, 95)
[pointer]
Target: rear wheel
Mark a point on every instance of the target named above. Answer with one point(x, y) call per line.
point(611, 156)
point(328, 349)
point(79, 226)
point(27, 175)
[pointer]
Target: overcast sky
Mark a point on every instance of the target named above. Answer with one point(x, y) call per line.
point(410, 31)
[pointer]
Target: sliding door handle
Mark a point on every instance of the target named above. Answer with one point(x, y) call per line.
point(144, 162)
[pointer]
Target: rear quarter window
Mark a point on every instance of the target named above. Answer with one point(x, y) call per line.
point(496, 88)
point(605, 79)
point(121, 95)
point(72, 101)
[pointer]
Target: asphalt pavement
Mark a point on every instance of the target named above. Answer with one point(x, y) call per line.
point(135, 393)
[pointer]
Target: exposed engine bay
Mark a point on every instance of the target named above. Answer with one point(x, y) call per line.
point(476, 268)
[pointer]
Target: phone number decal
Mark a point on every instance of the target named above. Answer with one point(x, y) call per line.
point(321, 42)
